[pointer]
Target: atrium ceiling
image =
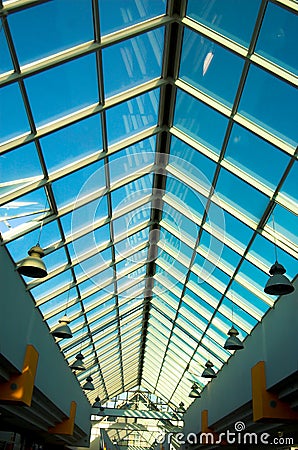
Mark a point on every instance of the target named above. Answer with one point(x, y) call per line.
point(150, 147)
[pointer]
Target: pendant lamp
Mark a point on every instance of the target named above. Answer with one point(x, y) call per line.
point(278, 283)
point(88, 386)
point(181, 408)
point(194, 393)
point(62, 330)
point(209, 372)
point(33, 266)
point(78, 364)
point(233, 342)
point(97, 403)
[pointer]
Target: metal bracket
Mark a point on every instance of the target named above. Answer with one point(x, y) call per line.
point(266, 405)
point(19, 388)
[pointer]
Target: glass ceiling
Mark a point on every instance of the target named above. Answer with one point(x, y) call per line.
point(147, 145)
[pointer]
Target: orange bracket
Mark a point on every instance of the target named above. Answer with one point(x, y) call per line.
point(266, 405)
point(19, 388)
point(67, 425)
point(206, 430)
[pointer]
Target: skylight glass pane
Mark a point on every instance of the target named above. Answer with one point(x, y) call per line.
point(84, 216)
point(193, 202)
point(240, 195)
point(132, 116)
point(133, 159)
point(127, 13)
point(50, 27)
point(79, 184)
point(51, 285)
point(137, 60)
point(216, 71)
point(259, 105)
point(233, 18)
point(5, 61)
point(49, 235)
point(18, 168)
point(72, 143)
point(209, 272)
point(130, 243)
point(168, 240)
point(263, 250)
point(90, 241)
point(194, 118)
point(13, 116)
point(219, 252)
point(173, 218)
point(55, 259)
point(63, 89)
point(286, 223)
point(130, 193)
point(278, 37)
point(252, 154)
point(289, 187)
point(23, 212)
point(191, 162)
point(235, 230)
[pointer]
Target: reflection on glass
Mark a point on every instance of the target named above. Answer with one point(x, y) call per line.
point(137, 60)
point(233, 18)
point(240, 195)
point(278, 37)
point(72, 143)
point(76, 186)
point(252, 155)
point(132, 117)
point(271, 103)
point(13, 116)
point(50, 27)
point(18, 168)
point(209, 67)
point(63, 89)
point(127, 13)
point(194, 118)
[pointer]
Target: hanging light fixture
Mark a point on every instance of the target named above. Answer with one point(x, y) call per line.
point(97, 403)
point(78, 364)
point(88, 386)
point(278, 283)
point(209, 372)
point(181, 408)
point(194, 393)
point(233, 342)
point(33, 266)
point(63, 330)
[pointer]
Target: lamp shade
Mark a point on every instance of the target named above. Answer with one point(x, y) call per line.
point(194, 393)
point(88, 386)
point(278, 283)
point(33, 266)
point(62, 330)
point(233, 342)
point(97, 403)
point(78, 363)
point(181, 408)
point(209, 372)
